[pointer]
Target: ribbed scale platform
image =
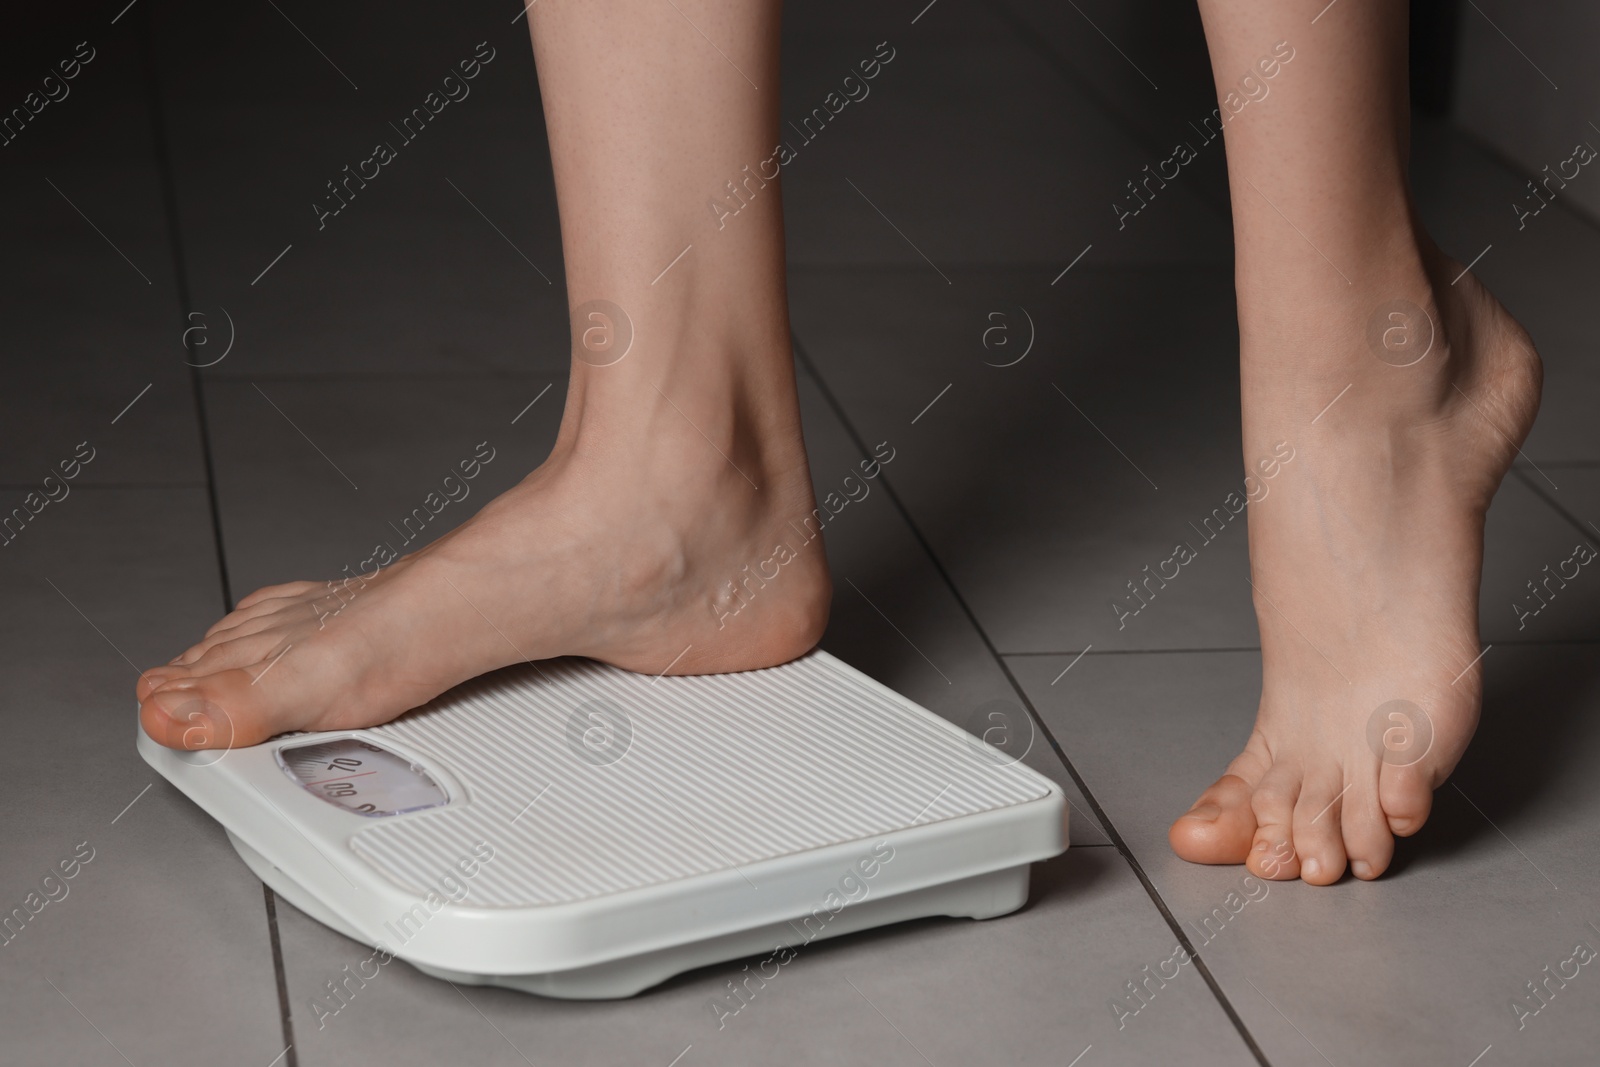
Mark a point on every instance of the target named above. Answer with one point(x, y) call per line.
point(821, 758)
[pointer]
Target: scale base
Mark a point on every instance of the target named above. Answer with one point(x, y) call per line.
point(985, 896)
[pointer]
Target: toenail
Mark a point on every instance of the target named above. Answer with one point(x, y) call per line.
point(1311, 868)
point(1261, 846)
point(1361, 869)
point(192, 715)
point(1208, 812)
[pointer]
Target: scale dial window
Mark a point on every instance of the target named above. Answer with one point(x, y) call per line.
point(361, 777)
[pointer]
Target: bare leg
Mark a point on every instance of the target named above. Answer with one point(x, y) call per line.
point(1366, 553)
point(679, 469)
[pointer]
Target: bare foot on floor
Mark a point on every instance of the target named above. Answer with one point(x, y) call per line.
point(623, 546)
point(1366, 558)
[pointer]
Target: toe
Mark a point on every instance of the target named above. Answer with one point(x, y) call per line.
point(218, 710)
point(1220, 825)
point(1272, 853)
point(271, 592)
point(239, 617)
point(219, 635)
point(252, 652)
point(1406, 796)
point(1317, 835)
point(1367, 840)
point(182, 716)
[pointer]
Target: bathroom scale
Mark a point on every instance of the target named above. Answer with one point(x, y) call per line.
point(576, 830)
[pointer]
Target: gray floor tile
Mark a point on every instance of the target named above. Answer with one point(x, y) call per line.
point(410, 277)
point(1030, 988)
point(447, 261)
point(1422, 965)
point(805, 26)
point(314, 473)
point(161, 940)
point(1033, 181)
point(1047, 485)
point(1151, 76)
point(88, 293)
point(1562, 605)
point(1525, 535)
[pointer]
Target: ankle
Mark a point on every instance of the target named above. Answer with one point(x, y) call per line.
point(686, 389)
point(1385, 315)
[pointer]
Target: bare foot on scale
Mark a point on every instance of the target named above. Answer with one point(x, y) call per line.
point(618, 553)
point(679, 471)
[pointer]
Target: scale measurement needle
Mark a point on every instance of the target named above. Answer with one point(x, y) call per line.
point(342, 778)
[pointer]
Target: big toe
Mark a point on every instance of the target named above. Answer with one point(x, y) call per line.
point(1220, 825)
point(214, 711)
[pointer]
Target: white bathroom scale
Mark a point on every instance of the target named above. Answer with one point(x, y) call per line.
point(576, 830)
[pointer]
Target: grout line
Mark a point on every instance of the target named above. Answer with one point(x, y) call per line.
point(1106, 825)
point(180, 270)
point(1071, 665)
point(169, 199)
point(1512, 168)
point(1539, 491)
point(280, 976)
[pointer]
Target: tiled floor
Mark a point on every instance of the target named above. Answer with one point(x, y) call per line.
point(170, 193)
